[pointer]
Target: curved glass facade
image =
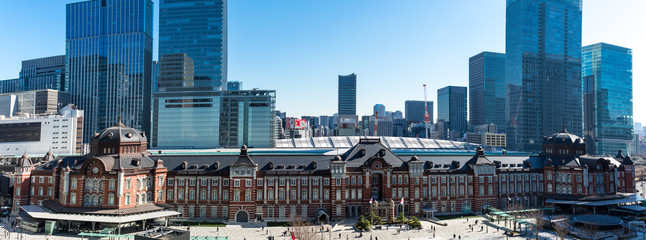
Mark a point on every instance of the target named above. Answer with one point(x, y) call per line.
point(109, 61)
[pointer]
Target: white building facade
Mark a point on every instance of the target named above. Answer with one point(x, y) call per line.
point(38, 134)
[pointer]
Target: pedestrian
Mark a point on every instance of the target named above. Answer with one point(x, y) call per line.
point(218, 228)
point(454, 235)
point(459, 237)
point(433, 234)
point(376, 238)
point(339, 236)
point(188, 228)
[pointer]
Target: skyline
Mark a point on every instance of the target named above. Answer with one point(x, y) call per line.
point(299, 44)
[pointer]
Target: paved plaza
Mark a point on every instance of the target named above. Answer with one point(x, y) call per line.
point(256, 231)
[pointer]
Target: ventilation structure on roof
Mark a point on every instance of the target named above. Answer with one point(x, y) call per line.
point(136, 162)
point(270, 165)
point(184, 165)
point(313, 165)
point(216, 165)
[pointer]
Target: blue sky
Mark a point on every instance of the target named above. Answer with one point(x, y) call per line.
point(299, 47)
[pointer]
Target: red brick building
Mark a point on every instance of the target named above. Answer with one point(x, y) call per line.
point(119, 175)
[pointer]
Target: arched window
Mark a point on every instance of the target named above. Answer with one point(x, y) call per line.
point(127, 199)
point(150, 197)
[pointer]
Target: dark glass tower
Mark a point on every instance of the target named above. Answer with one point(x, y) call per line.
point(44, 73)
point(452, 107)
point(542, 71)
point(487, 89)
point(415, 111)
point(197, 28)
point(608, 97)
point(109, 62)
point(348, 94)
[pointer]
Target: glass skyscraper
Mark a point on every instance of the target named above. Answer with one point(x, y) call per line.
point(452, 107)
point(348, 94)
point(44, 73)
point(197, 28)
point(109, 62)
point(199, 118)
point(608, 97)
point(38, 74)
point(487, 89)
point(415, 111)
point(542, 71)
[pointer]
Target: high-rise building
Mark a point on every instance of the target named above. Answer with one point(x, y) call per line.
point(348, 94)
point(542, 71)
point(45, 101)
point(198, 29)
point(415, 111)
point(209, 119)
point(379, 110)
point(247, 117)
point(109, 62)
point(186, 119)
point(487, 89)
point(234, 85)
point(608, 97)
point(11, 85)
point(57, 133)
point(155, 77)
point(44, 73)
point(176, 72)
point(452, 107)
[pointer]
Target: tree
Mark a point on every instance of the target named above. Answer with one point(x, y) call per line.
point(414, 223)
point(374, 219)
point(302, 228)
point(363, 224)
point(400, 218)
point(537, 217)
point(561, 226)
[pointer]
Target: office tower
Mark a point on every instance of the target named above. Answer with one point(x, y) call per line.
point(542, 71)
point(44, 101)
point(247, 117)
point(638, 129)
point(348, 94)
point(11, 85)
point(155, 77)
point(415, 111)
point(44, 73)
point(176, 72)
point(399, 127)
point(58, 132)
point(487, 89)
point(379, 110)
point(198, 29)
point(109, 62)
point(211, 119)
point(608, 97)
point(452, 108)
point(384, 126)
point(398, 115)
point(234, 85)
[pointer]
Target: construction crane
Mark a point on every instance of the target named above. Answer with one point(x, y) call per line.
point(427, 118)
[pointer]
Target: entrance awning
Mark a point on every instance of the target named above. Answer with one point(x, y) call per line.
point(627, 199)
point(40, 213)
